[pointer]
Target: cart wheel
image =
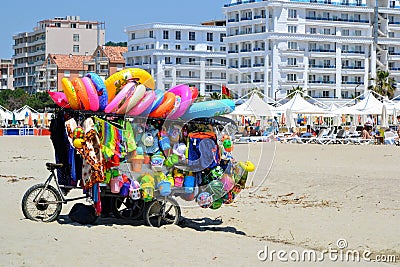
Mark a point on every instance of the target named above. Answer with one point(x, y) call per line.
point(161, 212)
point(127, 208)
point(41, 204)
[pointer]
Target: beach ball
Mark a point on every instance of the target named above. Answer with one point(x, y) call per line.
point(147, 139)
point(78, 133)
point(217, 204)
point(204, 199)
point(216, 189)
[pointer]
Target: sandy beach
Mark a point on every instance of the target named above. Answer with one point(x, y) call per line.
point(300, 197)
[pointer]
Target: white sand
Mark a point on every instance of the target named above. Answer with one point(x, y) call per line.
point(313, 196)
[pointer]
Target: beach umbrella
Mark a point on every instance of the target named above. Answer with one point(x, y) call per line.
point(39, 120)
point(30, 122)
point(395, 117)
point(46, 119)
point(14, 121)
point(289, 119)
point(384, 118)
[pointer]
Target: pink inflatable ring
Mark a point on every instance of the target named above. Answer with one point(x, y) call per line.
point(185, 93)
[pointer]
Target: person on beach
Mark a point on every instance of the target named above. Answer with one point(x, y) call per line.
point(275, 124)
point(366, 132)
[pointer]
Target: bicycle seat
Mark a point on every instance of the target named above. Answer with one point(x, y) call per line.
point(52, 166)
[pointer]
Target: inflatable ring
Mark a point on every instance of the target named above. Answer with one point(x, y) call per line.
point(159, 99)
point(137, 94)
point(209, 109)
point(100, 88)
point(185, 93)
point(60, 99)
point(247, 166)
point(144, 104)
point(70, 93)
point(91, 93)
point(81, 93)
point(116, 81)
point(166, 106)
point(119, 98)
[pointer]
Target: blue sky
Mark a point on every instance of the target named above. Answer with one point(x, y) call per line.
point(22, 15)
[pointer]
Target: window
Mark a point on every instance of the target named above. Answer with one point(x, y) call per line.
point(357, 32)
point(81, 73)
point(133, 36)
point(192, 74)
point(208, 74)
point(391, 34)
point(192, 36)
point(357, 17)
point(345, 79)
point(167, 73)
point(357, 48)
point(209, 48)
point(223, 62)
point(344, 16)
point(311, 78)
point(345, 48)
point(327, 63)
point(325, 93)
point(292, 29)
point(327, 47)
point(311, 14)
point(165, 35)
point(312, 46)
point(73, 25)
point(358, 64)
point(57, 24)
point(67, 73)
point(221, 37)
point(165, 46)
point(167, 60)
point(178, 35)
point(178, 60)
point(210, 37)
point(326, 78)
point(313, 30)
point(209, 61)
point(76, 48)
point(311, 62)
point(120, 67)
point(345, 32)
point(167, 86)
point(192, 61)
point(345, 63)
point(222, 49)
point(327, 31)
point(292, 45)
point(223, 75)
point(191, 47)
point(89, 26)
point(178, 73)
point(292, 61)
point(177, 47)
point(391, 50)
point(291, 77)
point(325, 15)
point(75, 37)
point(151, 34)
point(292, 14)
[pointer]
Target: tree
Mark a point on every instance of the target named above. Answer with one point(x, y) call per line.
point(111, 43)
point(14, 99)
point(298, 89)
point(384, 84)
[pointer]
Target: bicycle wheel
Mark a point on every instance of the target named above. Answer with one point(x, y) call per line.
point(46, 208)
point(127, 208)
point(162, 212)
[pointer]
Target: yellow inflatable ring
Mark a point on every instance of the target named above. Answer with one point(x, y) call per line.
point(115, 82)
point(70, 93)
point(247, 166)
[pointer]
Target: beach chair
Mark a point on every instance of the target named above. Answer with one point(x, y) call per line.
point(353, 132)
point(316, 139)
point(390, 137)
point(340, 137)
point(328, 138)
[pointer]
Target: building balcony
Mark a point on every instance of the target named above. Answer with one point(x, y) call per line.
point(322, 50)
point(321, 82)
point(341, 3)
point(245, 18)
point(352, 82)
point(233, 51)
point(353, 52)
point(188, 77)
point(259, 17)
point(259, 65)
point(233, 20)
point(353, 67)
point(258, 49)
point(258, 81)
point(245, 50)
point(245, 66)
point(338, 19)
point(321, 66)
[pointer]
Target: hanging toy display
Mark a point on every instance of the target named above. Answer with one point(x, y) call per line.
point(78, 137)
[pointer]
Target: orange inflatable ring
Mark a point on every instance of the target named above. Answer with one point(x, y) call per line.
point(70, 93)
point(167, 105)
point(81, 93)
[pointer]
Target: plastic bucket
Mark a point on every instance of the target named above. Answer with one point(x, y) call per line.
point(165, 188)
point(178, 181)
point(115, 185)
point(125, 189)
point(137, 165)
point(188, 184)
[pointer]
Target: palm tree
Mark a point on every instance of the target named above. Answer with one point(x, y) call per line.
point(384, 85)
point(298, 89)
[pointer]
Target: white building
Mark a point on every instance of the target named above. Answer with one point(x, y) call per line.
point(331, 48)
point(67, 35)
point(179, 54)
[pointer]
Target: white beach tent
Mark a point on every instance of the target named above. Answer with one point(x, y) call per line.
point(21, 113)
point(254, 106)
point(369, 105)
point(299, 105)
point(5, 114)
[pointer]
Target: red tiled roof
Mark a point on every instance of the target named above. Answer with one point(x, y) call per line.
point(69, 62)
point(115, 53)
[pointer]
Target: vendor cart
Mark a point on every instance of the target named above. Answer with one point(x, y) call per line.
point(43, 202)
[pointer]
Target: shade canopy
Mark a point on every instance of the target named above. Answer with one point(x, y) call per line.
point(25, 111)
point(5, 114)
point(369, 105)
point(254, 106)
point(300, 106)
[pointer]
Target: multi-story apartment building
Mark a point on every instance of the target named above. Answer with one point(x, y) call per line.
point(331, 48)
point(67, 35)
point(179, 54)
point(6, 76)
point(107, 60)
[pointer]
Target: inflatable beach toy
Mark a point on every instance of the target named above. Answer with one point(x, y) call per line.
point(247, 166)
point(185, 94)
point(100, 88)
point(91, 93)
point(166, 106)
point(195, 93)
point(81, 93)
point(60, 99)
point(133, 99)
point(159, 99)
point(70, 93)
point(115, 82)
point(144, 103)
point(119, 98)
point(209, 109)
